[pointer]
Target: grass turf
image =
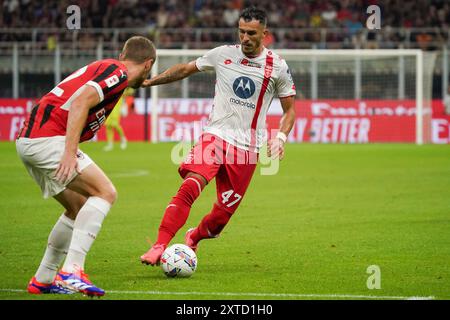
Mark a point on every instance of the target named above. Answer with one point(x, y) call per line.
point(313, 228)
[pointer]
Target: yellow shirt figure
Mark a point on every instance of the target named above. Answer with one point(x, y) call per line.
point(113, 122)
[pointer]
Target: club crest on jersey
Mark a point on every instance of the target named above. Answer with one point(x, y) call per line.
point(111, 81)
point(244, 87)
point(268, 71)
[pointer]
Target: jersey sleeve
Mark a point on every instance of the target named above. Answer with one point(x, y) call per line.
point(285, 84)
point(209, 60)
point(109, 80)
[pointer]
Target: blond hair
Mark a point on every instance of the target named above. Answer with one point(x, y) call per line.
point(138, 49)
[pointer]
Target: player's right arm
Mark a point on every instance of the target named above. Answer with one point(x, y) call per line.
point(180, 71)
point(174, 73)
point(78, 113)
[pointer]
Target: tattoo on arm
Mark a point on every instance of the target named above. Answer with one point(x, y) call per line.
point(177, 72)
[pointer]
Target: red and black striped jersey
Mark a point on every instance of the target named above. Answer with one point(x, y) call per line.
point(49, 117)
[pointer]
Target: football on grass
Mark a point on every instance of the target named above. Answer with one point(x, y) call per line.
point(179, 260)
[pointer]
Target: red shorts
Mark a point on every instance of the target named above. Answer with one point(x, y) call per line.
point(232, 167)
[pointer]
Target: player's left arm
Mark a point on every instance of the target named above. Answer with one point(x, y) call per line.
point(78, 113)
point(275, 146)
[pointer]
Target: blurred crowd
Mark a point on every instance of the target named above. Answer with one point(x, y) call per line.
point(218, 14)
point(349, 15)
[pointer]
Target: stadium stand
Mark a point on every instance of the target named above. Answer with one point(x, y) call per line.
point(420, 23)
point(38, 28)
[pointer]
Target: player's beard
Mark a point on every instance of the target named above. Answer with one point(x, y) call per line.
point(136, 84)
point(250, 49)
point(247, 48)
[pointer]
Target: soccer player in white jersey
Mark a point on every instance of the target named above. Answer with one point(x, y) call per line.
point(249, 76)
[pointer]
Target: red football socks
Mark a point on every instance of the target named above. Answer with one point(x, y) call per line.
point(178, 209)
point(212, 224)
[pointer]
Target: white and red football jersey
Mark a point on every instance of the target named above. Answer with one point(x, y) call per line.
point(49, 117)
point(245, 88)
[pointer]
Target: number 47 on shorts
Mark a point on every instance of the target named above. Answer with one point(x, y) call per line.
point(227, 195)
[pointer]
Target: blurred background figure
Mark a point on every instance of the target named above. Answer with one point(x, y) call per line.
point(113, 122)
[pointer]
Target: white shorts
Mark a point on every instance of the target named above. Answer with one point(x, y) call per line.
point(41, 157)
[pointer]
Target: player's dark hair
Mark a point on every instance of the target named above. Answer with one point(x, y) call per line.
point(253, 13)
point(138, 49)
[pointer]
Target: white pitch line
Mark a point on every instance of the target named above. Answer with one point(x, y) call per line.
point(12, 290)
point(136, 173)
point(255, 294)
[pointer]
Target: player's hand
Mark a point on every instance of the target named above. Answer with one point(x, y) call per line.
point(146, 83)
point(67, 167)
point(275, 148)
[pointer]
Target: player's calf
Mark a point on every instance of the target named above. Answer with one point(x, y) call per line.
point(211, 225)
point(177, 211)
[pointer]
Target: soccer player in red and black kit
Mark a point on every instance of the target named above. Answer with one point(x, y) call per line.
point(248, 77)
point(71, 113)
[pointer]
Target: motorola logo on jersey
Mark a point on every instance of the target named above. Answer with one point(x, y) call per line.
point(244, 87)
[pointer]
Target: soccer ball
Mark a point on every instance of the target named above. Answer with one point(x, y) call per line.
point(179, 260)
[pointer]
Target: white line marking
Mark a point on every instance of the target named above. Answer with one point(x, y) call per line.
point(136, 173)
point(256, 294)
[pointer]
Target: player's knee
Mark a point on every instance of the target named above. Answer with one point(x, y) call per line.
point(203, 182)
point(109, 193)
point(112, 194)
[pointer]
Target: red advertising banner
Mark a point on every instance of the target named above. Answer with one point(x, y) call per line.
point(324, 121)
point(13, 113)
point(351, 121)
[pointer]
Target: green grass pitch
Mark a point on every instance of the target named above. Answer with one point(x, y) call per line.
point(308, 232)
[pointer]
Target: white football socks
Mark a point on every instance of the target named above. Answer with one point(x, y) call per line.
point(57, 246)
point(87, 225)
